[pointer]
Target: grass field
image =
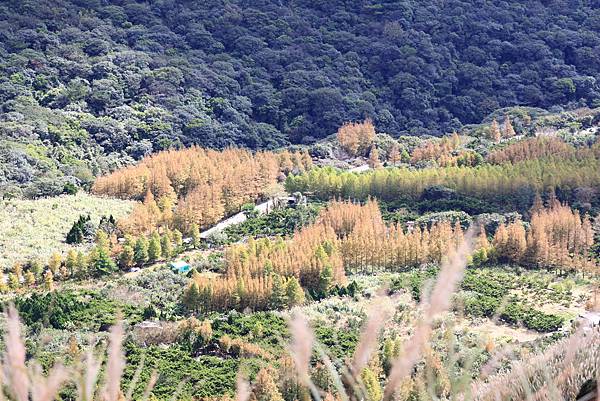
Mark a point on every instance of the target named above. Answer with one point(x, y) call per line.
point(37, 228)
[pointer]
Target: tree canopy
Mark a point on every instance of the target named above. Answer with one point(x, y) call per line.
point(86, 86)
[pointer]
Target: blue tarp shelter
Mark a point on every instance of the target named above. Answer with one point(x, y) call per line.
point(180, 266)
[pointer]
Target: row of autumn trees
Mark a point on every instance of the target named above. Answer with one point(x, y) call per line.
point(555, 238)
point(358, 139)
point(316, 259)
point(180, 188)
point(541, 147)
point(353, 238)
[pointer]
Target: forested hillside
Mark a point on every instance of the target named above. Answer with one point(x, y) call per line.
point(88, 85)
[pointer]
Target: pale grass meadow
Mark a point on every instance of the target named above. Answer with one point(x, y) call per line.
point(37, 228)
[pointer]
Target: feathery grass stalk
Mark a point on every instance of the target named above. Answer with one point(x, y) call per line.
point(301, 347)
point(242, 389)
point(337, 380)
point(136, 377)
point(379, 312)
point(14, 360)
point(569, 364)
point(46, 389)
point(115, 364)
point(150, 385)
point(439, 301)
point(88, 377)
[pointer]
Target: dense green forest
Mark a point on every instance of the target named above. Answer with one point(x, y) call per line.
point(87, 86)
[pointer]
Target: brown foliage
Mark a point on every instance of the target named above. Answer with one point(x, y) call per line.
point(445, 152)
point(556, 238)
point(346, 236)
point(205, 184)
point(356, 138)
point(533, 148)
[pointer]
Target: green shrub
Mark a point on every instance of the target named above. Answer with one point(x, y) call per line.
point(280, 222)
point(71, 309)
point(204, 376)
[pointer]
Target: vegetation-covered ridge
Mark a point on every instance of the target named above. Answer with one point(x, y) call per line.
point(88, 86)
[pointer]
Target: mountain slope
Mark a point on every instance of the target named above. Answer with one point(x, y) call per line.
point(87, 85)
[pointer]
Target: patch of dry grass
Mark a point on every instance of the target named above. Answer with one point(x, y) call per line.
point(37, 228)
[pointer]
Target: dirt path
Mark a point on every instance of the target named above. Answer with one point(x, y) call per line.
point(360, 169)
point(262, 208)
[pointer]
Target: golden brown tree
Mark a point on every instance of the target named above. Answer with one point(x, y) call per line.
point(356, 138)
point(508, 130)
point(495, 134)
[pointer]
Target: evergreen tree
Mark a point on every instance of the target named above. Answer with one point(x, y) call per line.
point(278, 293)
point(101, 261)
point(165, 204)
point(126, 258)
point(54, 263)
point(195, 234)
point(76, 233)
point(372, 386)
point(140, 252)
point(326, 280)
point(294, 292)
point(63, 271)
point(13, 281)
point(37, 268)
point(82, 264)
point(129, 240)
point(177, 238)
point(4, 282)
point(166, 245)
point(30, 279)
point(154, 248)
point(18, 270)
point(71, 262)
point(404, 156)
point(391, 349)
point(191, 297)
point(49, 280)
point(102, 240)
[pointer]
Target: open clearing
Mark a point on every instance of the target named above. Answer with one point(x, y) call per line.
point(37, 228)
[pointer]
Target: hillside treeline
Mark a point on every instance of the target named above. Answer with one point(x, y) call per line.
point(513, 185)
point(86, 86)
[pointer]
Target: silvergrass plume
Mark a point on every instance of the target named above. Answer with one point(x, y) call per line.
point(14, 359)
point(150, 385)
point(88, 377)
point(378, 313)
point(136, 377)
point(115, 364)
point(46, 388)
point(242, 389)
point(303, 340)
point(439, 301)
point(302, 344)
